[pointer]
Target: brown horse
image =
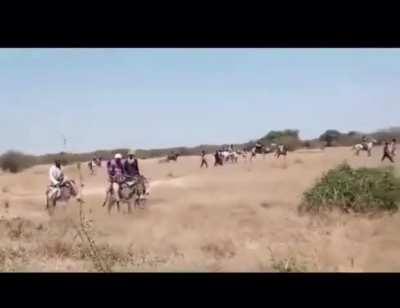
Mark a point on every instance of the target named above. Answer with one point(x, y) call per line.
point(172, 157)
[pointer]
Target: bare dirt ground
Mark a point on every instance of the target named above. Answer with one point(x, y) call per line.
point(236, 218)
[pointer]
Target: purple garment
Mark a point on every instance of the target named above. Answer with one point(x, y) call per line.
point(114, 168)
point(131, 169)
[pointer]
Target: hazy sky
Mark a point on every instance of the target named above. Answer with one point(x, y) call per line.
point(146, 98)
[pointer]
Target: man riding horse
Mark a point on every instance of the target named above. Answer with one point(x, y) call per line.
point(58, 182)
point(131, 168)
point(115, 169)
point(126, 181)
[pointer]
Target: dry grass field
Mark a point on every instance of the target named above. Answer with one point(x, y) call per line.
point(236, 218)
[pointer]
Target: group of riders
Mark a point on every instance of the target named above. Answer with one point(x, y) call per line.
point(126, 171)
point(222, 155)
point(230, 154)
point(119, 171)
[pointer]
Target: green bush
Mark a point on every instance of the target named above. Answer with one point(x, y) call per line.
point(359, 190)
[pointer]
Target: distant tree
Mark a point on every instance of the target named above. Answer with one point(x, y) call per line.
point(276, 136)
point(330, 136)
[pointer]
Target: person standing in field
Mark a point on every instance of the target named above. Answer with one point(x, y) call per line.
point(203, 159)
point(393, 147)
point(386, 152)
point(218, 158)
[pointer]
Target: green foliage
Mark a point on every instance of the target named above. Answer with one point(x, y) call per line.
point(360, 190)
point(288, 137)
point(330, 137)
point(273, 135)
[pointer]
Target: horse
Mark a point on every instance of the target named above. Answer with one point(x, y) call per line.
point(229, 156)
point(172, 157)
point(259, 150)
point(360, 147)
point(281, 150)
point(219, 160)
point(68, 189)
point(129, 192)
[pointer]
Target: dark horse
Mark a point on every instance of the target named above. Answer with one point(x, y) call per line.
point(281, 150)
point(172, 157)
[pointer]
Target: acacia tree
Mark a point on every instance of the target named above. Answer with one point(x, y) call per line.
point(330, 136)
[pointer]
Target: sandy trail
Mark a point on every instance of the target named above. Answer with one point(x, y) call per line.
point(227, 218)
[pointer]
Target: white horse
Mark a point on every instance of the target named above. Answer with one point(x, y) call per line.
point(360, 147)
point(229, 156)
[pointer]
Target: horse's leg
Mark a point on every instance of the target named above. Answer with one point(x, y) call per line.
point(52, 206)
point(110, 205)
point(129, 204)
point(49, 205)
point(118, 206)
point(47, 200)
point(140, 198)
point(106, 199)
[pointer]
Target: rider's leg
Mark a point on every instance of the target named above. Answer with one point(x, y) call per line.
point(54, 191)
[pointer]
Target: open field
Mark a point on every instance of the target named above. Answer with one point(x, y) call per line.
point(239, 217)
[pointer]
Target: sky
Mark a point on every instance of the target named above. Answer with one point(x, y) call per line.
point(155, 98)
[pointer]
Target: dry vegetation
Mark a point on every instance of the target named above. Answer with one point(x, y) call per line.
point(236, 218)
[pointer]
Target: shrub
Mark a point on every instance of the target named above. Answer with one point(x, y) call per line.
point(358, 190)
point(14, 161)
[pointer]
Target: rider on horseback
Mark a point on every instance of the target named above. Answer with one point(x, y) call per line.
point(131, 168)
point(115, 171)
point(57, 179)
